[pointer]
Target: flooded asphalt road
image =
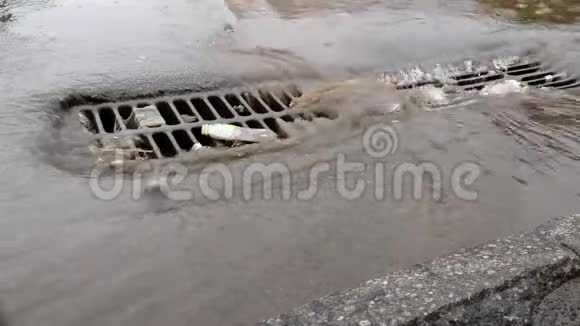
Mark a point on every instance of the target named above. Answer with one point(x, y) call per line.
point(68, 258)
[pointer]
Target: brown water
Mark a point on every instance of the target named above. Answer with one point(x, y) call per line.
point(549, 11)
point(68, 258)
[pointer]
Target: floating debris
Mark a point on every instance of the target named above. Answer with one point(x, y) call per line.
point(432, 96)
point(115, 151)
point(146, 117)
point(504, 87)
point(230, 132)
point(189, 118)
point(87, 124)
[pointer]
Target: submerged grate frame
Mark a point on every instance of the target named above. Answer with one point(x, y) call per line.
point(248, 106)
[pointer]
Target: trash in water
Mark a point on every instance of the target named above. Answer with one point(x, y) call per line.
point(505, 63)
point(86, 123)
point(433, 96)
point(116, 150)
point(229, 132)
point(504, 87)
point(241, 109)
point(188, 118)
point(197, 146)
point(144, 117)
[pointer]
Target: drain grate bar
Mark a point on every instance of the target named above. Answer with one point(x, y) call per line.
point(515, 68)
point(479, 79)
point(537, 76)
point(100, 126)
point(574, 85)
point(173, 141)
point(477, 86)
point(118, 119)
point(524, 71)
point(561, 83)
point(175, 112)
point(244, 103)
point(153, 144)
point(543, 80)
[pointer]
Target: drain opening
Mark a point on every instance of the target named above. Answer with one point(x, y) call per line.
point(283, 98)
point(221, 108)
point(184, 140)
point(143, 105)
point(574, 85)
point(203, 109)
point(167, 113)
point(562, 83)
point(543, 81)
point(185, 111)
point(273, 125)
point(146, 149)
point(517, 68)
point(271, 101)
point(237, 105)
point(415, 85)
point(485, 78)
point(524, 70)
point(540, 76)
point(108, 119)
point(254, 124)
point(287, 118)
point(254, 103)
point(125, 111)
point(88, 121)
point(475, 88)
point(164, 144)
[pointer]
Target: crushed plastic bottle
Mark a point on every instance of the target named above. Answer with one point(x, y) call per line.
point(234, 133)
point(147, 116)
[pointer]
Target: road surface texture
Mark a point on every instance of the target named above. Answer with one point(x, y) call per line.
point(518, 280)
point(70, 258)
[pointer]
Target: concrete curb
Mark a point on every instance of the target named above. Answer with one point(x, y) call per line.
point(499, 283)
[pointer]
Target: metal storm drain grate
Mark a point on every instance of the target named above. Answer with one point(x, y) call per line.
point(533, 74)
point(530, 72)
point(165, 127)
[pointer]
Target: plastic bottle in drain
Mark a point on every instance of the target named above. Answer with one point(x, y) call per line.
point(223, 131)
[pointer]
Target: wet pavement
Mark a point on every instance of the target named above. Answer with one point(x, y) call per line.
point(68, 258)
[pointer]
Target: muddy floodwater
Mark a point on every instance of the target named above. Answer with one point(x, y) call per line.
point(68, 257)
